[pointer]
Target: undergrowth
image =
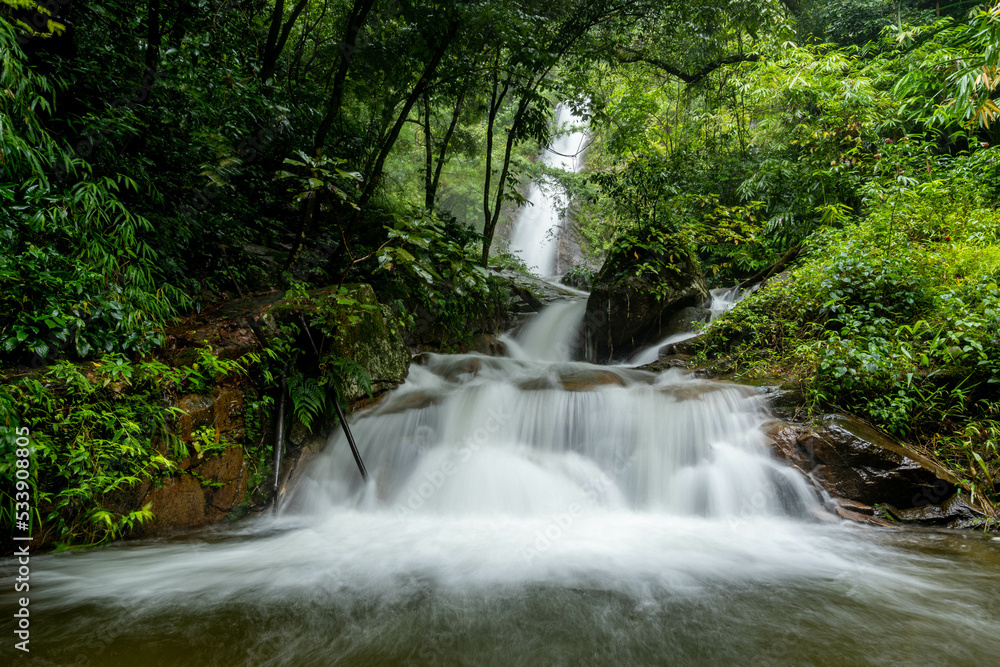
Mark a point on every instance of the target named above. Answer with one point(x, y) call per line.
point(895, 318)
point(98, 432)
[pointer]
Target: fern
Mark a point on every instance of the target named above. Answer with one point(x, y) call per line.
point(308, 399)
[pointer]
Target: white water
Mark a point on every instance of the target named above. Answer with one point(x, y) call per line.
point(535, 237)
point(722, 300)
point(551, 335)
point(637, 520)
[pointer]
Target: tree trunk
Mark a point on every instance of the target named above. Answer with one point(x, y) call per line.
point(355, 22)
point(432, 193)
point(277, 37)
point(153, 36)
point(415, 94)
point(428, 156)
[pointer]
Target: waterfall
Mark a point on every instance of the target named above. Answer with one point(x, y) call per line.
point(530, 510)
point(535, 237)
point(535, 434)
point(551, 335)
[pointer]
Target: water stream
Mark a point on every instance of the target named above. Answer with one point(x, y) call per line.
point(535, 237)
point(533, 510)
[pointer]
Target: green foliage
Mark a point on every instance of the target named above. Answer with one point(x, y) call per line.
point(434, 252)
point(207, 440)
point(78, 276)
point(579, 275)
point(894, 318)
point(433, 261)
point(954, 76)
point(207, 371)
point(309, 399)
point(308, 352)
point(97, 433)
point(654, 219)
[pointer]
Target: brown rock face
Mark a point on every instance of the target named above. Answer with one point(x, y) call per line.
point(860, 467)
point(588, 380)
point(179, 503)
point(206, 492)
point(222, 410)
point(228, 469)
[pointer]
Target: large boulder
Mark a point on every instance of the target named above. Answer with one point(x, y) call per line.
point(366, 339)
point(632, 304)
point(482, 322)
point(862, 468)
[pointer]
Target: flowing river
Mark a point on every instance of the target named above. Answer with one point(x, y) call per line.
point(533, 510)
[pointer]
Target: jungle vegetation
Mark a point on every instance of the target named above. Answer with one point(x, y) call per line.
point(161, 156)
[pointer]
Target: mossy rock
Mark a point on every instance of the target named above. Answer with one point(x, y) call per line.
point(629, 308)
point(370, 341)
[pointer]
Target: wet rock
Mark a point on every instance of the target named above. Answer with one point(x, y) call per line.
point(784, 439)
point(543, 293)
point(858, 462)
point(685, 320)
point(488, 344)
point(296, 462)
point(864, 519)
point(589, 380)
point(626, 311)
point(854, 506)
point(955, 512)
point(864, 468)
point(669, 361)
point(222, 410)
point(537, 384)
point(694, 391)
point(412, 400)
point(458, 369)
point(784, 396)
point(368, 403)
point(687, 347)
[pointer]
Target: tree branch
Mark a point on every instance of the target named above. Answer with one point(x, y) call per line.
point(692, 78)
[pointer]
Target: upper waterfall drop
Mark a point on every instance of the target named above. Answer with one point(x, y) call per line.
point(535, 237)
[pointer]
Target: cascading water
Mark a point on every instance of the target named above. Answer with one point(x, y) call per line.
point(536, 229)
point(525, 439)
point(533, 510)
point(551, 335)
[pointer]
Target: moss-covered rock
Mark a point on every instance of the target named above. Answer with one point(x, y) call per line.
point(636, 297)
point(467, 325)
point(355, 327)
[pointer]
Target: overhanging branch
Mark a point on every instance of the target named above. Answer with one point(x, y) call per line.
point(688, 78)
